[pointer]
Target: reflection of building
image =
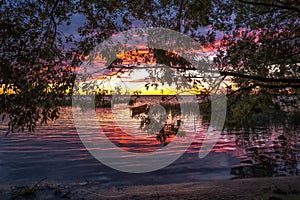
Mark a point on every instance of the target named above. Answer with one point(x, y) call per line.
point(269, 154)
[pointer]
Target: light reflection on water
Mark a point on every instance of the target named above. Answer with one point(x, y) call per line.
point(55, 152)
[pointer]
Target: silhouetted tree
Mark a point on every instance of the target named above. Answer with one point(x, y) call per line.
point(256, 42)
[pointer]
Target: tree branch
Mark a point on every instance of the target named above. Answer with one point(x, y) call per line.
point(262, 79)
point(179, 15)
point(53, 19)
point(271, 5)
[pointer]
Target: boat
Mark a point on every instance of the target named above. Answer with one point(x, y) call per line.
point(136, 110)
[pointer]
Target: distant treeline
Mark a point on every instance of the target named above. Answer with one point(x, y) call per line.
point(247, 112)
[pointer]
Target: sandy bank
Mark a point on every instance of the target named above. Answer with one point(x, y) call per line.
point(256, 188)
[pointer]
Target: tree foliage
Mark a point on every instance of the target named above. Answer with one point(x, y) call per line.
point(260, 52)
point(36, 69)
point(258, 47)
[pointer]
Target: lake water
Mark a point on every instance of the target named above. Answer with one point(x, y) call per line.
point(55, 152)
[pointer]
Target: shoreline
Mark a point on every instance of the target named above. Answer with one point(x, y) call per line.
point(270, 188)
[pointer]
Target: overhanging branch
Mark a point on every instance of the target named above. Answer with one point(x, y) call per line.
point(271, 5)
point(259, 78)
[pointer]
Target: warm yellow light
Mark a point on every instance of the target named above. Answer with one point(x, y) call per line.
point(9, 91)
